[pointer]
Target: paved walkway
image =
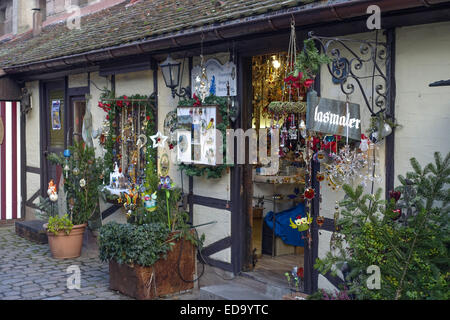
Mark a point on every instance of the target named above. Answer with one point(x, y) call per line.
point(28, 272)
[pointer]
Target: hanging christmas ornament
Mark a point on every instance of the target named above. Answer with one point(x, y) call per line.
point(320, 221)
point(159, 140)
point(309, 193)
point(364, 145)
point(395, 195)
point(67, 153)
point(75, 171)
point(164, 165)
point(397, 214)
point(82, 183)
point(141, 141)
point(320, 176)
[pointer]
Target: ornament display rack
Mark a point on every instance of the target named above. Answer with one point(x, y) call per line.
point(130, 153)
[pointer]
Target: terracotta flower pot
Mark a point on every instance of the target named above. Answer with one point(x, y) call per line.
point(64, 246)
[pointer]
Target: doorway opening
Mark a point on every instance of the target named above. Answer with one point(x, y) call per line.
point(277, 195)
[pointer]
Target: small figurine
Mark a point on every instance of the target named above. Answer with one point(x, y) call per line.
point(52, 193)
point(150, 202)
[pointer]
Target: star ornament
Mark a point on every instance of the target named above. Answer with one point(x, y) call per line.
point(158, 140)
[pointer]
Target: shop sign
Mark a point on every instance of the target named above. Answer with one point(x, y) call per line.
point(218, 76)
point(333, 117)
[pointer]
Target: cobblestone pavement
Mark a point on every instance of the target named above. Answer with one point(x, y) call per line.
point(28, 272)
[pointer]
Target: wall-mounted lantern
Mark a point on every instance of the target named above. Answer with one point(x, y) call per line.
point(171, 73)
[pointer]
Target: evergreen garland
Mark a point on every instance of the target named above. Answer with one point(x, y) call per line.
point(210, 172)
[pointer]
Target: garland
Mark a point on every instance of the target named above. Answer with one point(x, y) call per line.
point(211, 172)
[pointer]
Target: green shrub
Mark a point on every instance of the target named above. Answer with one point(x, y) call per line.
point(134, 244)
point(58, 224)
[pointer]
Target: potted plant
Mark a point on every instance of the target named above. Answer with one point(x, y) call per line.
point(82, 178)
point(154, 253)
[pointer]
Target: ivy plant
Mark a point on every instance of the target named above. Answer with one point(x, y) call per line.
point(134, 244)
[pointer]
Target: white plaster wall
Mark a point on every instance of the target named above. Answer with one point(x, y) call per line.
point(32, 148)
point(98, 115)
point(78, 80)
point(422, 57)
point(33, 127)
point(216, 231)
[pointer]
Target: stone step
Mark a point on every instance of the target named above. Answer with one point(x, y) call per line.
point(232, 291)
point(32, 230)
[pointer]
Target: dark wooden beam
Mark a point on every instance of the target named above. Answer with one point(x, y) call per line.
point(33, 170)
point(78, 91)
point(217, 246)
point(335, 281)
point(110, 210)
point(216, 263)
point(209, 202)
point(390, 112)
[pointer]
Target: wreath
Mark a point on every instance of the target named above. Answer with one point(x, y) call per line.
point(210, 172)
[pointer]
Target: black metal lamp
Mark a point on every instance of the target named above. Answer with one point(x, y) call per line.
point(171, 73)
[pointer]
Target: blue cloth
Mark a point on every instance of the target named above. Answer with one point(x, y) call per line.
point(283, 230)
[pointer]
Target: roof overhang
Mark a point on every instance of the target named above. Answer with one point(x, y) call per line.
point(305, 15)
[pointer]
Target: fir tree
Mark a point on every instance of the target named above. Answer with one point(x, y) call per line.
point(411, 252)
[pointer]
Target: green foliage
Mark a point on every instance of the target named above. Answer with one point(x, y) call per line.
point(309, 60)
point(134, 244)
point(210, 172)
point(412, 253)
point(82, 201)
point(46, 209)
point(58, 224)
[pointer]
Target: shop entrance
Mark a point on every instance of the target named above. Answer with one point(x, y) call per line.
point(277, 190)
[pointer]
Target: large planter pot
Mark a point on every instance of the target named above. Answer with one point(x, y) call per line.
point(160, 279)
point(69, 246)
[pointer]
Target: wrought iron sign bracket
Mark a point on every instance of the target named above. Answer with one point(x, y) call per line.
point(350, 68)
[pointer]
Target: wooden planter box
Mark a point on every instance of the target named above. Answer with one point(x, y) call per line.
point(146, 283)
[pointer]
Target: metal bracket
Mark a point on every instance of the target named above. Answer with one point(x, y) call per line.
point(349, 68)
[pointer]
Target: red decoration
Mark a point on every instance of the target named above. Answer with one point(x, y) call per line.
point(148, 118)
point(320, 220)
point(197, 102)
point(300, 272)
point(398, 213)
point(309, 193)
point(395, 195)
point(170, 146)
